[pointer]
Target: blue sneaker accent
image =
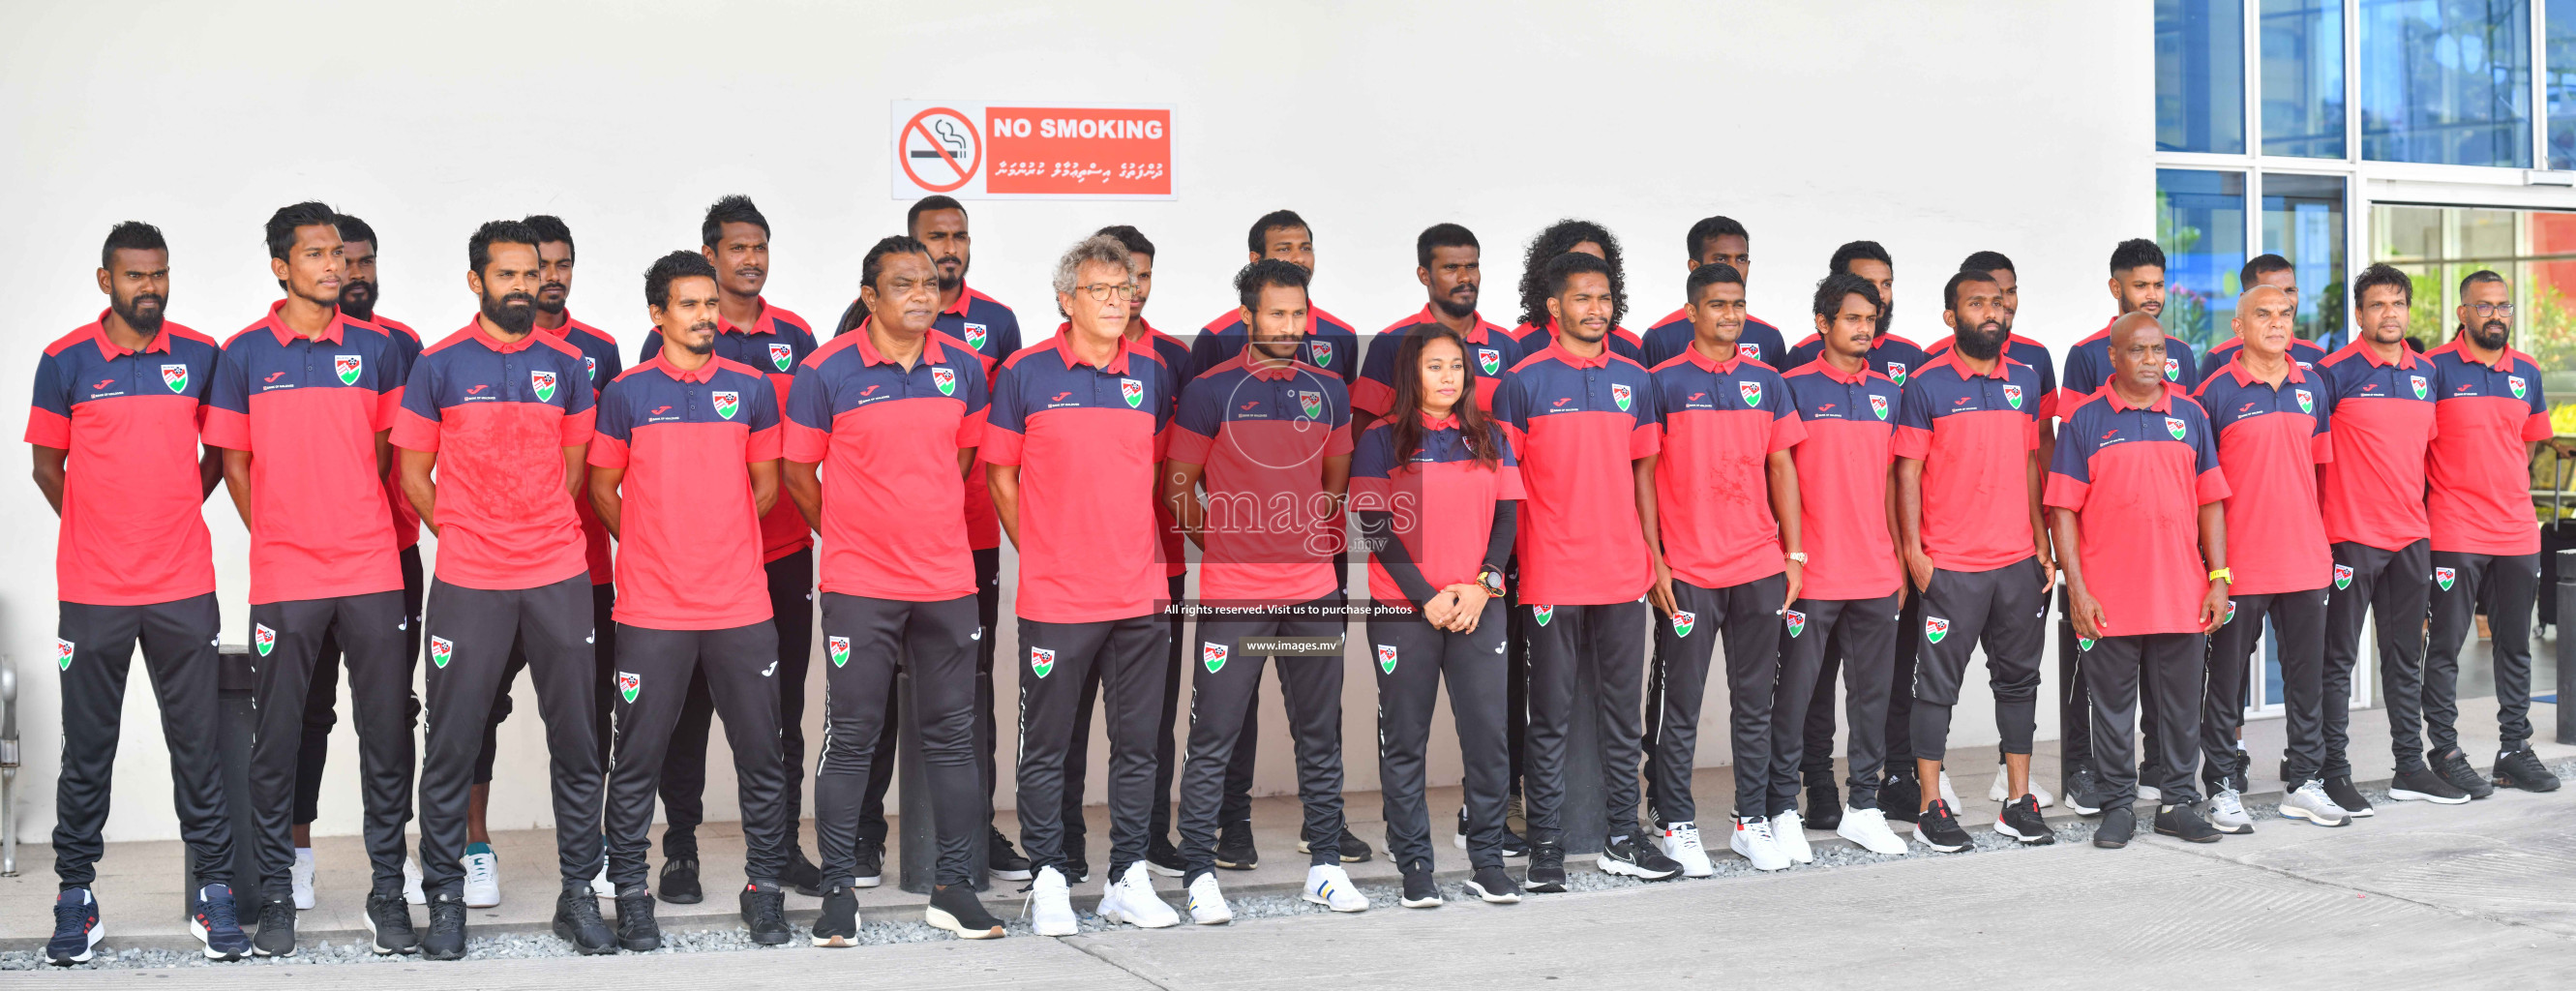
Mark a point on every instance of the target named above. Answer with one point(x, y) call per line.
point(218, 924)
point(76, 928)
point(475, 848)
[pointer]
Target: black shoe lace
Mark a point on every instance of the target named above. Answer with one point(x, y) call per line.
point(447, 918)
point(768, 911)
point(584, 907)
point(70, 918)
point(275, 915)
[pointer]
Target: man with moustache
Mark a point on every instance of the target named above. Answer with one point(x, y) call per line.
point(1331, 344)
point(1448, 263)
point(1890, 354)
point(1716, 241)
point(2276, 272)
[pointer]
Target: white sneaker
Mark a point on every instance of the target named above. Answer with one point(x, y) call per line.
point(1790, 832)
point(1130, 898)
point(482, 880)
point(1330, 886)
point(1868, 827)
point(301, 876)
point(1947, 795)
point(2000, 791)
point(1051, 905)
point(1207, 904)
point(600, 884)
point(2150, 793)
point(1753, 842)
point(1680, 841)
point(2308, 801)
point(411, 883)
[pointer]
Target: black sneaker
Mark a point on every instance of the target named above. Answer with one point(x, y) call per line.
point(1900, 796)
point(1824, 805)
point(2083, 792)
point(1494, 886)
point(1627, 857)
point(2184, 822)
point(577, 921)
point(807, 879)
point(2454, 767)
point(1420, 890)
point(2236, 780)
point(1938, 829)
point(838, 926)
point(1234, 850)
point(1001, 860)
point(217, 923)
point(2021, 821)
point(636, 930)
point(1352, 849)
point(955, 908)
point(2520, 768)
point(2340, 789)
point(2421, 784)
point(77, 932)
point(2117, 826)
point(276, 929)
point(446, 938)
point(764, 912)
point(1163, 858)
point(1546, 866)
point(679, 884)
point(389, 921)
point(869, 873)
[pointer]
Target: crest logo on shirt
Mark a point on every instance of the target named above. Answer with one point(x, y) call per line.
point(1935, 628)
point(2418, 382)
point(63, 654)
point(1542, 614)
point(1797, 622)
point(1683, 621)
point(629, 684)
point(544, 383)
point(2173, 369)
point(2307, 403)
point(1041, 661)
point(1878, 405)
point(590, 367)
point(2230, 617)
point(1621, 395)
point(1312, 403)
point(975, 336)
point(1896, 370)
point(727, 402)
point(176, 377)
point(945, 379)
point(782, 355)
point(840, 651)
point(2445, 576)
point(1744, 350)
point(1133, 391)
point(2083, 643)
point(1386, 658)
point(2343, 576)
point(1213, 655)
point(347, 366)
point(2012, 396)
point(441, 651)
point(1323, 351)
point(1751, 391)
point(2514, 381)
point(1490, 360)
point(2174, 427)
point(263, 638)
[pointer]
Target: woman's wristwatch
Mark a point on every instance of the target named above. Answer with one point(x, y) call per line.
point(1491, 579)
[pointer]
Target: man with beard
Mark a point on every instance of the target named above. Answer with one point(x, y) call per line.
point(1967, 508)
point(300, 404)
point(499, 411)
point(2273, 271)
point(1331, 344)
point(2490, 420)
point(1535, 331)
point(1716, 241)
point(1447, 263)
point(1892, 355)
point(133, 563)
point(752, 332)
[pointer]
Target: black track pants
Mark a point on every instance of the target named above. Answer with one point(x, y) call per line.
point(1055, 658)
point(2393, 588)
point(1223, 681)
point(472, 635)
point(1864, 632)
point(654, 668)
point(1411, 658)
point(2158, 670)
point(1607, 644)
point(603, 652)
point(865, 642)
point(2299, 622)
point(322, 696)
point(1747, 616)
point(684, 779)
point(2005, 610)
point(94, 649)
point(2509, 584)
point(286, 638)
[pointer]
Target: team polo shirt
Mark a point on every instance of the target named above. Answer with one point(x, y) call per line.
point(1262, 432)
point(2305, 353)
point(1089, 443)
point(133, 529)
point(2480, 471)
point(1712, 487)
point(2026, 351)
point(2148, 470)
point(688, 552)
point(2383, 423)
point(1441, 500)
point(1842, 481)
point(992, 330)
point(774, 343)
point(887, 438)
point(498, 415)
point(308, 411)
point(1890, 354)
point(1491, 351)
point(2270, 442)
point(1175, 357)
point(1672, 335)
point(1623, 342)
point(600, 366)
point(1577, 425)
point(1330, 344)
point(2088, 368)
point(406, 519)
point(1974, 432)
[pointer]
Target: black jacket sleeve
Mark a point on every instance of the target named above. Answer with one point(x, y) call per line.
point(1377, 529)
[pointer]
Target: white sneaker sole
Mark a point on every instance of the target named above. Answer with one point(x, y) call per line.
point(493, 901)
point(374, 944)
point(2294, 812)
point(1873, 847)
point(1114, 917)
point(1758, 865)
point(96, 933)
point(834, 942)
point(1434, 901)
point(2233, 828)
point(1614, 865)
point(939, 918)
point(1490, 898)
point(1938, 848)
point(2005, 829)
point(1056, 929)
point(198, 929)
point(2403, 795)
point(1021, 875)
point(1327, 903)
point(867, 881)
point(1166, 871)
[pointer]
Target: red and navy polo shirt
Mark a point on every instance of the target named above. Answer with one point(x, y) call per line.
point(1089, 442)
point(600, 366)
point(776, 341)
point(2303, 352)
point(992, 330)
point(1672, 335)
point(2480, 502)
point(1442, 501)
point(1491, 351)
point(1578, 425)
point(1331, 344)
point(887, 438)
point(2383, 423)
point(1890, 354)
point(1623, 342)
point(1175, 357)
point(2026, 351)
point(1271, 533)
point(1974, 433)
point(308, 411)
point(133, 526)
point(1712, 487)
point(406, 519)
point(2270, 442)
point(2088, 368)
point(498, 415)
point(1843, 481)
point(688, 551)
point(2149, 470)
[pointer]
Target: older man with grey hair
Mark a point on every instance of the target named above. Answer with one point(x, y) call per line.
point(1076, 433)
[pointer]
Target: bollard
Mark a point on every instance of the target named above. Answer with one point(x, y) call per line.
point(919, 826)
point(237, 694)
point(2566, 593)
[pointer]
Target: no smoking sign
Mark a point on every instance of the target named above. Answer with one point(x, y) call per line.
point(1023, 152)
point(939, 150)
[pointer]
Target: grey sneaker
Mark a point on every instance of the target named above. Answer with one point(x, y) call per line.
point(2308, 801)
point(2226, 813)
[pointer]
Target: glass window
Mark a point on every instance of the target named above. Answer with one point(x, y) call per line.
point(2558, 49)
point(2200, 75)
point(2303, 221)
point(2446, 81)
point(2200, 222)
point(2303, 78)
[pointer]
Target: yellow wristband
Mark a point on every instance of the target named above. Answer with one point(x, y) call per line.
point(2224, 575)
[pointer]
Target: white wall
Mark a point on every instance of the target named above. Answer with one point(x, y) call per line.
point(1934, 128)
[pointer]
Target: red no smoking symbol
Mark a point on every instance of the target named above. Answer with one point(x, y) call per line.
point(945, 144)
